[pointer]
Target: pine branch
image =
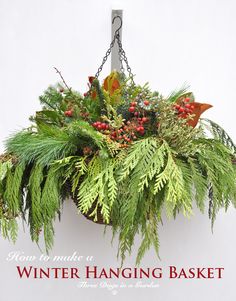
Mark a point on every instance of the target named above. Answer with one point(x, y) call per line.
point(220, 134)
point(44, 147)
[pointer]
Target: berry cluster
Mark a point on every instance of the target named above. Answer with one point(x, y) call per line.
point(139, 118)
point(100, 126)
point(123, 135)
point(184, 108)
point(140, 124)
point(131, 128)
point(133, 106)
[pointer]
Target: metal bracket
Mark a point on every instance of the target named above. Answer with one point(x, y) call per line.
point(115, 62)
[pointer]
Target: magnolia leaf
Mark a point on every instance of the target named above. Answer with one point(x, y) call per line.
point(111, 83)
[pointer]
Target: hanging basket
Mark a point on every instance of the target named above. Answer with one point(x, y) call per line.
point(88, 215)
point(126, 155)
point(99, 220)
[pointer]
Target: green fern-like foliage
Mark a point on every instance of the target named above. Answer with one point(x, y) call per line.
point(218, 133)
point(124, 154)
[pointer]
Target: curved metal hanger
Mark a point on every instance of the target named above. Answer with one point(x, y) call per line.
point(121, 23)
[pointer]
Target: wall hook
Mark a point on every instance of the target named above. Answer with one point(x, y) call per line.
point(121, 23)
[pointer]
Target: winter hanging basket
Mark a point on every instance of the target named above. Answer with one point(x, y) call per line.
point(123, 153)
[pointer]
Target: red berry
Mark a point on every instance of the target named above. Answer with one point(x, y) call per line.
point(177, 107)
point(146, 102)
point(136, 114)
point(144, 119)
point(187, 106)
point(103, 126)
point(140, 129)
point(192, 107)
point(181, 110)
point(142, 133)
point(99, 126)
point(85, 94)
point(187, 99)
point(133, 104)
point(68, 113)
point(131, 109)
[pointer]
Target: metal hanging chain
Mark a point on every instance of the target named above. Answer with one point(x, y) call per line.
point(122, 70)
point(124, 57)
point(105, 57)
point(122, 54)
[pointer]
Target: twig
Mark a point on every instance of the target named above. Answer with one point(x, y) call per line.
point(62, 78)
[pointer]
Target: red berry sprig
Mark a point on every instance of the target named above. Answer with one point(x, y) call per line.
point(140, 127)
point(131, 129)
point(132, 107)
point(184, 108)
point(139, 119)
point(100, 126)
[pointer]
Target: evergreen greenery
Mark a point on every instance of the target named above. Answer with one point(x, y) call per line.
point(125, 154)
